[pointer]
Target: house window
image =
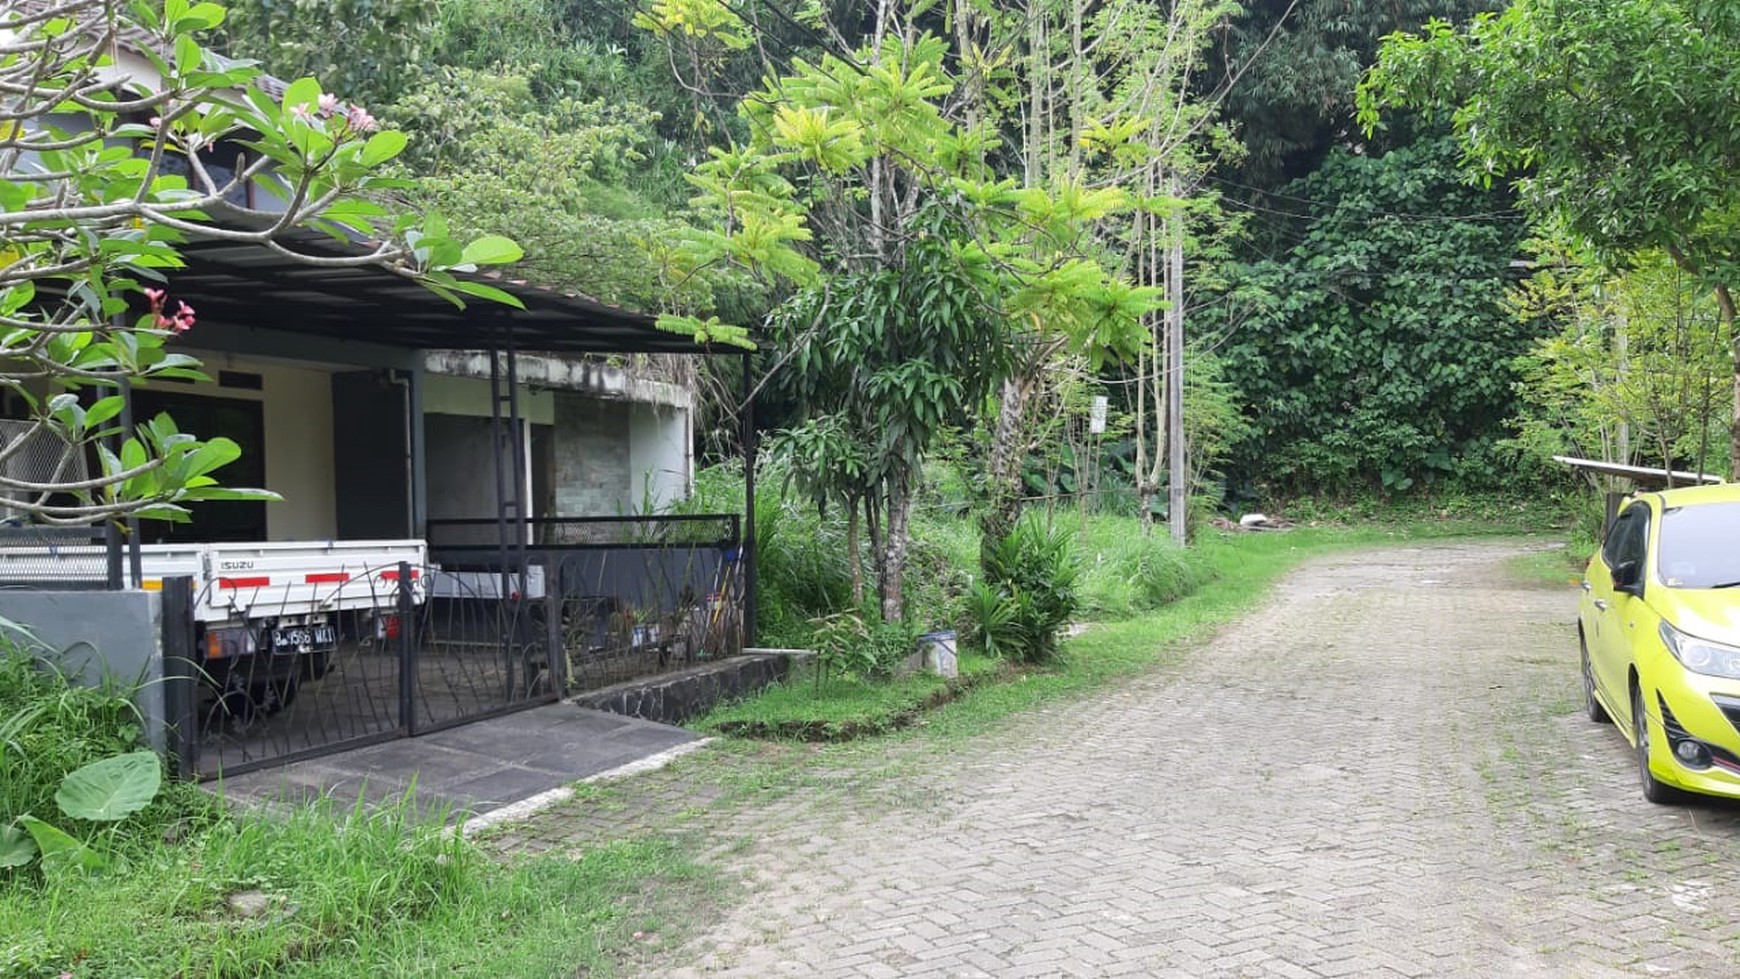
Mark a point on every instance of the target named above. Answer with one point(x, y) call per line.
point(243, 422)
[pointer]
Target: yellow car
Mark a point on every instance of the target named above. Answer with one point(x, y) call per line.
point(1659, 624)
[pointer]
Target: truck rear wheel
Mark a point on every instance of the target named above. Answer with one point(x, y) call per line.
point(240, 707)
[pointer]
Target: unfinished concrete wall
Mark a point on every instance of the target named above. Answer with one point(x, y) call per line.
point(460, 465)
point(660, 457)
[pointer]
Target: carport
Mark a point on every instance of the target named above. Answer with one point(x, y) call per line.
point(511, 608)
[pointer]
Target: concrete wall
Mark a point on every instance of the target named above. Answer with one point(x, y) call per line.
point(460, 466)
point(659, 455)
point(92, 635)
point(555, 373)
point(594, 475)
point(468, 396)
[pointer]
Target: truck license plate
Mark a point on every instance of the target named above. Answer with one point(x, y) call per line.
point(288, 641)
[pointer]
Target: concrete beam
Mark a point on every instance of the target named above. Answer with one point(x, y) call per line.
point(602, 381)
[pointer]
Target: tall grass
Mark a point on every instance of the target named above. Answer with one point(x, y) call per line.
point(1126, 570)
point(336, 892)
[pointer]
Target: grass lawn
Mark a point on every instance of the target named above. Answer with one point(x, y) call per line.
point(342, 894)
point(840, 709)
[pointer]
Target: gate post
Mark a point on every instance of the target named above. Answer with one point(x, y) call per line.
point(181, 672)
point(407, 652)
point(555, 647)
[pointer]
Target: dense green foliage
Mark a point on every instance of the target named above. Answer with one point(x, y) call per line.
point(50, 728)
point(1028, 593)
point(1288, 71)
point(1636, 371)
point(1614, 118)
point(1379, 354)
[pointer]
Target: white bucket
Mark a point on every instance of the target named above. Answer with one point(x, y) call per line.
point(938, 652)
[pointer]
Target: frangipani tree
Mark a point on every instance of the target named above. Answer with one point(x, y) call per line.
point(122, 138)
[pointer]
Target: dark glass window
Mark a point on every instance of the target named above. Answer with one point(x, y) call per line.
point(1626, 541)
point(213, 521)
point(1700, 546)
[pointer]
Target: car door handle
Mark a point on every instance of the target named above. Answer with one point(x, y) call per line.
point(1588, 587)
point(1601, 604)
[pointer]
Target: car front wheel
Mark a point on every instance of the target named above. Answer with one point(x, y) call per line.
point(1654, 789)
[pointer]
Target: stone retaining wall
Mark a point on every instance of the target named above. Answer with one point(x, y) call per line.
point(677, 697)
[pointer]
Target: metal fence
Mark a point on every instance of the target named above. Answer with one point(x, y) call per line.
point(259, 671)
point(627, 597)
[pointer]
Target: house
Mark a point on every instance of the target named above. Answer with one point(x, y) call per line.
point(531, 448)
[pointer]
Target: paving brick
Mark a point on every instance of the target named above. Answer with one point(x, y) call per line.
point(1379, 774)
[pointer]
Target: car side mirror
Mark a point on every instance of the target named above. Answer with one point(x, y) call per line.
point(1628, 578)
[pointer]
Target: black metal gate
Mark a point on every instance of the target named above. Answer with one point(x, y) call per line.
point(426, 650)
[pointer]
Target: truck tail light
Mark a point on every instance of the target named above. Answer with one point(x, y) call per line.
point(225, 643)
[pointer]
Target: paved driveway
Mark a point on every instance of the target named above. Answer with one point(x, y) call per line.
point(1382, 773)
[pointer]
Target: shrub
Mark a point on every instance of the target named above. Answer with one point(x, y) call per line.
point(1034, 569)
point(50, 727)
point(851, 646)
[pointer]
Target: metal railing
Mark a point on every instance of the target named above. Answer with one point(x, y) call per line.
point(626, 597)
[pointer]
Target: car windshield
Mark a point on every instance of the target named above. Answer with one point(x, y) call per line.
point(1700, 546)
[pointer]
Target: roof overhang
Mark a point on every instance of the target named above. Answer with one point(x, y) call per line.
point(1641, 476)
point(248, 285)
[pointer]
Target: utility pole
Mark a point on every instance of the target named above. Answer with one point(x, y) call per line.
point(1178, 497)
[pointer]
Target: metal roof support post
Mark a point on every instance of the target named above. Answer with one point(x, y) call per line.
point(746, 548)
point(135, 559)
point(510, 489)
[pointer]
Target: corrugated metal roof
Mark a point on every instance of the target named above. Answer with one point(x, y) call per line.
point(245, 284)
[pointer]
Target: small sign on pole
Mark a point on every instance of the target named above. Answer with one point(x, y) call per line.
point(1097, 416)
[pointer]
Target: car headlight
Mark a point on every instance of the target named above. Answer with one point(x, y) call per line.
point(1701, 655)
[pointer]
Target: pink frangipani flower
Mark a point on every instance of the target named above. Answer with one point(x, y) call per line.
point(360, 120)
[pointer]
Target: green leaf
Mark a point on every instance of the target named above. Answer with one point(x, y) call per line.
point(231, 493)
point(62, 852)
point(215, 454)
point(16, 846)
point(201, 17)
point(110, 789)
point(492, 250)
point(382, 146)
point(489, 292)
point(302, 91)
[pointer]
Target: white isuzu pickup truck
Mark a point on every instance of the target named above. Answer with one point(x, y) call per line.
point(267, 615)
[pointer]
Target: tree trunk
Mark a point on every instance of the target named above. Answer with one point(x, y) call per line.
point(1725, 300)
point(892, 572)
point(854, 556)
point(873, 522)
point(1003, 467)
